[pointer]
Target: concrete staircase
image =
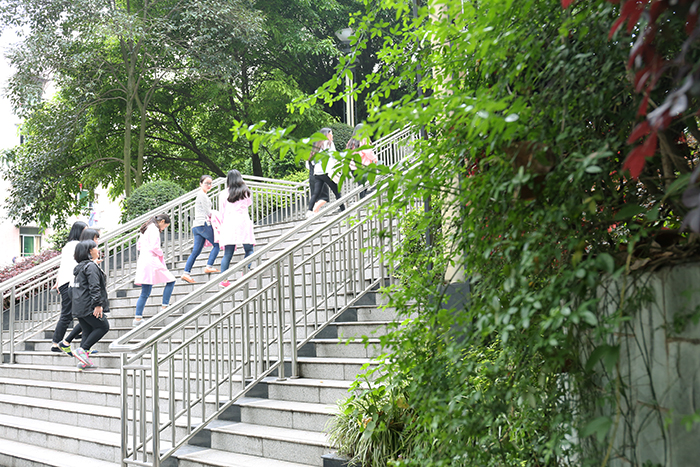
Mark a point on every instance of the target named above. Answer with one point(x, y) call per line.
point(52, 414)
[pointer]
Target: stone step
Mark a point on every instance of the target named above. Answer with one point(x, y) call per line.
point(107, 396)
point(332, 368)
point(61, 374)
point(88, 442)
point(353, 348)
point(196, 456)
point(307, 416)
point(319, 391)
point(71, 415)
point(16, 454)
point(284, 425)
point(305, 447)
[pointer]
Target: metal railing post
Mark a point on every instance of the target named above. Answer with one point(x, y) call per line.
point(11, 319)
point(293, 316)
point(124, 412)
point(156, 407)
point(280, 322)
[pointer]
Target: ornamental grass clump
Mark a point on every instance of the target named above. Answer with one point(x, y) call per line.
point(371, 427)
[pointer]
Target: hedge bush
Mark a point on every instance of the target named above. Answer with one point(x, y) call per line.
point(148, 197)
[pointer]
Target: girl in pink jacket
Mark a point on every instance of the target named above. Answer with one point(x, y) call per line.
point(236, 226)
point(367, 155)
point(150, 267)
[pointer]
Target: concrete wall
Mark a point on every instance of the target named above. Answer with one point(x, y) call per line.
point(660, 372)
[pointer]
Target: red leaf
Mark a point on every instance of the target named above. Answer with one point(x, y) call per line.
point(634, 162)
point(640, 6)
point(616, 25)
point(641, 77)
point(640, 130)
point(650, 144)
point(655, 10)
point(643, 106)
point(566, 3)
point(637, 158)
point(690, 23)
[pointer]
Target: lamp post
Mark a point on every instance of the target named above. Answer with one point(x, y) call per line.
point(344, 36)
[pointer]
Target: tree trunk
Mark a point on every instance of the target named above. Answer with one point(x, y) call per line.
point(255, 159)
point(127, 142)
point(142, 139)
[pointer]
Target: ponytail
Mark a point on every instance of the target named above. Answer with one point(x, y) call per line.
point(154, 220)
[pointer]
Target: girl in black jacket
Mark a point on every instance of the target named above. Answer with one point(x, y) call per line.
point(89, 300)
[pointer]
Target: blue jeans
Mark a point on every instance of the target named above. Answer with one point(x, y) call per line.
point(146, 292)
point(228, 254)
point(202, 233)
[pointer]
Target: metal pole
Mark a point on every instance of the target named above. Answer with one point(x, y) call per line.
point(348, 101)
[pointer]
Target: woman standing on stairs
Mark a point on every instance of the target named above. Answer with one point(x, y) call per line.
point(324, 196)
point(150, 267)
point(202, 230)
point(236, 226)
point(64, 282)
point(325, 173)
point(90, 301)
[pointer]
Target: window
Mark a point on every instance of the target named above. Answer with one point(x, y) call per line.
point(30, 240)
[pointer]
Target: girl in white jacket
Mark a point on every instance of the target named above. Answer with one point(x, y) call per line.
point(64, 281)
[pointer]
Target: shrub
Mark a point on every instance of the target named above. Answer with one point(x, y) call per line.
point(27, 263)
point(57, 240)
point(18, 268)
point(341, 135)
point(298, 176)
point(148, 197)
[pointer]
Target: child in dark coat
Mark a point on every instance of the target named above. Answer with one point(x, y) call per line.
point(90, 301)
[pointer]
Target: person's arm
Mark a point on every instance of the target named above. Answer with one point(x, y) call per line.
point(203, 205)
point(94, 289)
point(152, 241)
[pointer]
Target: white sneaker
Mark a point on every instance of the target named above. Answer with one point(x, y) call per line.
point(138, 322)
point(310, 214)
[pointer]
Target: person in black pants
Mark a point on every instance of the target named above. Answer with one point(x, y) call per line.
point(90, 300)
point(324, 174)
point(325, 194)
point(64, 282)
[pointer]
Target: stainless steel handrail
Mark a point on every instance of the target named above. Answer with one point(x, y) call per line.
point(209, 356)
point(30, 306)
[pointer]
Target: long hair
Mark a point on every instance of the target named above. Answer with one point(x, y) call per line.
point(82, 250)
point(237, 189)
point(204, 177)
point(89, 234)
point(319, 146)
point(75, 231)
point(357, 139)
point(154, 220)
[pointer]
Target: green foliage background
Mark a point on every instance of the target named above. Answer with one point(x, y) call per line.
point(524, 109)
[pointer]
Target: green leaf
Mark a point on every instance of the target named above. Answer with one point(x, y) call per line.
point(608, 354)
point(628, 211)
point(599, 426)
point(605, 262)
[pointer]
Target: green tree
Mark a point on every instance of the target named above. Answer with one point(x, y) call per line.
point(108, 61)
